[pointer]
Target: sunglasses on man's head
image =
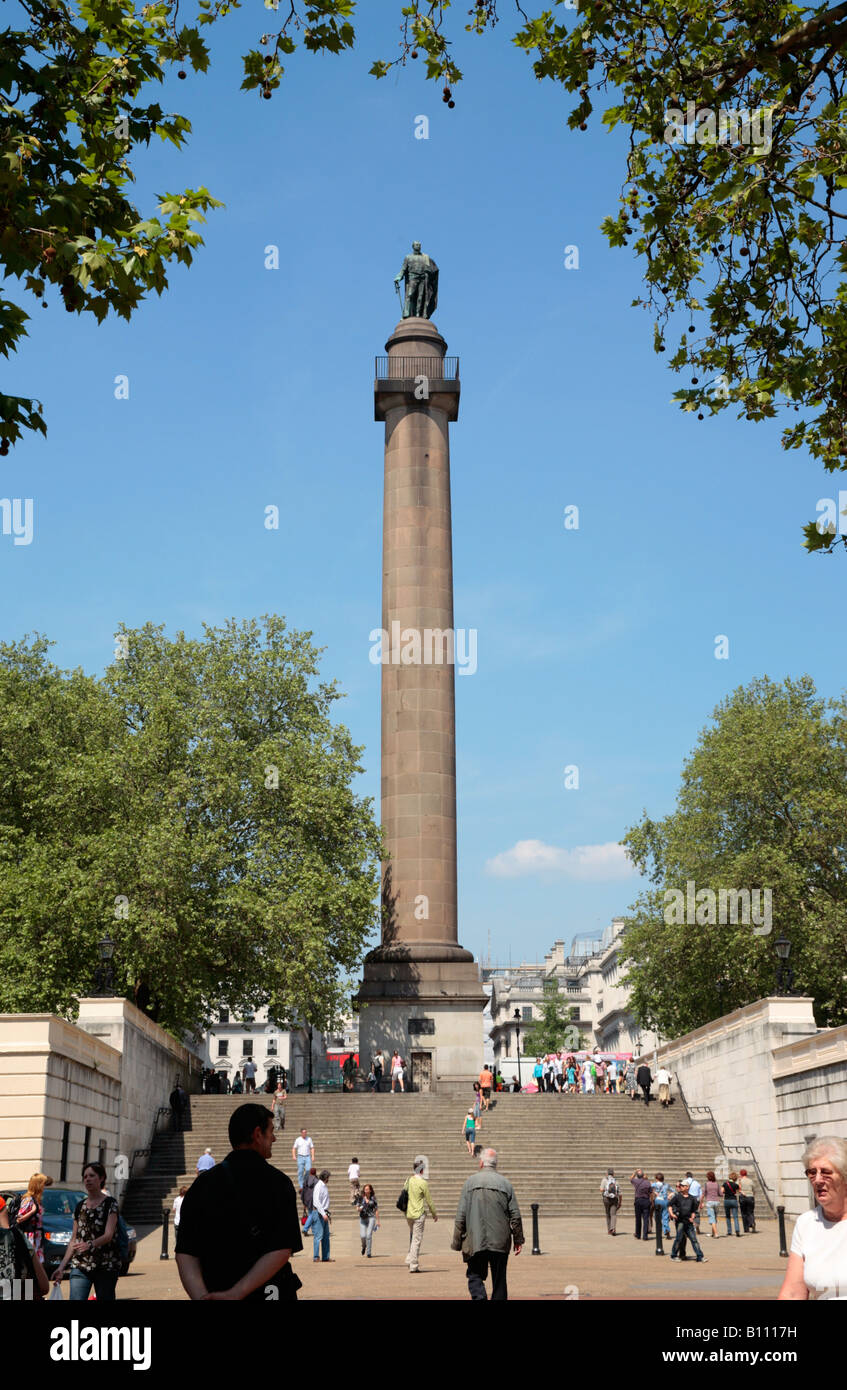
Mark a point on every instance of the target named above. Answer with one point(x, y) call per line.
point(813, 1172)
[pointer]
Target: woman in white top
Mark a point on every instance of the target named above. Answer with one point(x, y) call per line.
point(178, 1206)
point(817, 1264)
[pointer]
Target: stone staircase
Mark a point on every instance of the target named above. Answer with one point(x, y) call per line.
point(554, 1148)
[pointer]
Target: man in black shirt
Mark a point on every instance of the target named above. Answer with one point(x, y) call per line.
point(682, 1208)
point(238, 1226)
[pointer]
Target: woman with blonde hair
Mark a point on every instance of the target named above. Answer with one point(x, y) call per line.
point(817, 1264)
point(30, 1217)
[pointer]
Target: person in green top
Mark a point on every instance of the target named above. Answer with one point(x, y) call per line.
point(470, 1131)
point(419, 1200)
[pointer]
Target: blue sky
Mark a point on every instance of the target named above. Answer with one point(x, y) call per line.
point(251, 387)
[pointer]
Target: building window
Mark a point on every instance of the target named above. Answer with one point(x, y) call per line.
point(574, 1013)
point(223, 1016)
point(86, 1144)
point(223, 1047)
point(247, 1047)
point(63, 1163)
point(271, 1047)
point(526, 1013)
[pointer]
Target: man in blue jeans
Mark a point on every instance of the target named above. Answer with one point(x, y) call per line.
point(303, 1153)
point(683, 1207)
point(642, 1203)
point(320, 1217)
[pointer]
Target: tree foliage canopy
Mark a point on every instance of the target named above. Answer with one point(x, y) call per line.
point(762, 804)
point(195, 804)
point(741, 238)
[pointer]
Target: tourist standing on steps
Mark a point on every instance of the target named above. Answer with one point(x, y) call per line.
point(205, 1162)
point(303, 1153)
point(612, 1198)
point(249, 1077)
point(486, 1081)
point(396, 1071)
point(663, 1081)
point(321, 1217)
point(378, 1065)
point(477, 1101)
point(419, 1201)
point(469, 1131)
point(278, 1106)
point(488, 1224)
point(645, 1081)
point(353, 1173)
point(683, 1206)
point(612, 1078)
point(368, 1217)
point(642, 1204)
point(238, 1225)
point(538, 1074)
point(747, 1202)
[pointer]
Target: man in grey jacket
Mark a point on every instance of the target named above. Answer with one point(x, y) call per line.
point(488, 1221)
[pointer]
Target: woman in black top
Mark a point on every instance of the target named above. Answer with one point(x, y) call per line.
point(368, 1217)
point(731, 1189)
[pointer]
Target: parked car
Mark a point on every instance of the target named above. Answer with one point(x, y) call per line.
point(60, 1201)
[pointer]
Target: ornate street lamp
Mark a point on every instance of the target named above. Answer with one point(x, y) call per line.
point(105, 974)
point(517, 1018)
point(784, 974)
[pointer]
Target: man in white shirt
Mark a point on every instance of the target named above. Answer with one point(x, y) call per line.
point(695, 1190)
point(205, 1161)
point(320, 1217)
point(557, 1071)
point(303, 1153)
point(249, 1076)
point(663, 1081)
point(612, 1074)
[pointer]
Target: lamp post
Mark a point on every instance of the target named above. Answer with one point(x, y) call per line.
point(517, 1018)
point(784, 974)
point(105, 975)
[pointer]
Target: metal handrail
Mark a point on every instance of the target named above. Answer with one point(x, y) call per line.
point(692, 1110)
point(146, 1152)
point(407, 368)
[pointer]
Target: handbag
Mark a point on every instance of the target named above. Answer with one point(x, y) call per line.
point(403, 1199)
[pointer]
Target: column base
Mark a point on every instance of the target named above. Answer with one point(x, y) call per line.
point(430, 1011)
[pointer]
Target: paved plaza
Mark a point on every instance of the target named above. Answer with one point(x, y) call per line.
point(578, 1261)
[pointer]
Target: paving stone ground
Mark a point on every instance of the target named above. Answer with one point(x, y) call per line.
point(578, 1260)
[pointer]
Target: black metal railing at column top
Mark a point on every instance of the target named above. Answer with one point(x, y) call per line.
point(408, 368)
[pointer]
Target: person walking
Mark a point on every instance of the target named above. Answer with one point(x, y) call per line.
point(488, 1224)
point(378, 1067)
point(249, 1077)
point(204, 1162)
point(303, 1153)
point(642, 1204)
point(419, 1201)
point(177, 1208)
point(92, 1251)
point(178, 1101)
point(353, 1173)
point(570, 1076)
point(663, 1081)
point(538, 1074)
point(396, 1071)
point(589, 1072)
point(695, 1190)
point(710, 1197)
point(645, 1081)
point(30, 1214)
point(486, 1081)
point(469, 1131)
point(368, 1217)
point(477, 1102)
point(747, 1202)
point(730, 1202)
point(629, 1080)
point(612, 1077)
point(321, 1218)
point(682, 1207)
point(238, 1225)
point(557, 1071)
point(280, 1096)
point(612, 1198)
point(661, 1196)
point(307, 1191)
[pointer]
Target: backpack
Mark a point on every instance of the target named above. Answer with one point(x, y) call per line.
point(611, 1189)
point(13, 1206)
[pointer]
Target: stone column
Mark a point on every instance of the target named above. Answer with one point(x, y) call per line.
point(420, 971)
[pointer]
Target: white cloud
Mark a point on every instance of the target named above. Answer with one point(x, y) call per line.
point(598, 863)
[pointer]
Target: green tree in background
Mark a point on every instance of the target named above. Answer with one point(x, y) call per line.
point(196, 804)
point(762, 804)
point(555, 1027)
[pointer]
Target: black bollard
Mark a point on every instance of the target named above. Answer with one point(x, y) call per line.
point(164, 1254)
point(783, 1249)
point(536, 1249)
point(659, 1246)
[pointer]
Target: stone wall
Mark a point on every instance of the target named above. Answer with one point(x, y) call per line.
point(56, 1083)
point(729, 1066)
point(810, 1086)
